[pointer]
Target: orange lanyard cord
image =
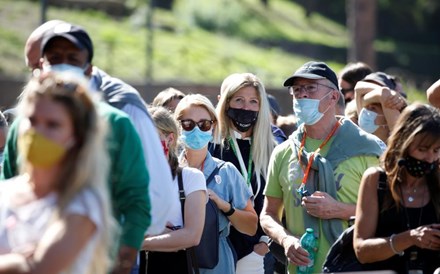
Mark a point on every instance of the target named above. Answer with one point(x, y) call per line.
point(312, 156)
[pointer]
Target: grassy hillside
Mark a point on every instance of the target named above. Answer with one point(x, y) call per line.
point(237, 36)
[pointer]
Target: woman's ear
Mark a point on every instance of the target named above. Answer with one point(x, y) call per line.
point(171, 139)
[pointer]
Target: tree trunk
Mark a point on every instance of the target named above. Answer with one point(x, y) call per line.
point(361, 24)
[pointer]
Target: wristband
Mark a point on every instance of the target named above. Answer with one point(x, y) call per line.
point(230, 212)
point(401, 253)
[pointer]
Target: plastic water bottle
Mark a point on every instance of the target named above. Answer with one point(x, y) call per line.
point(309, 243)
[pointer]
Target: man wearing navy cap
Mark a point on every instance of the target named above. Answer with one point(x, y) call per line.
point(315, 175)
point(62, 47)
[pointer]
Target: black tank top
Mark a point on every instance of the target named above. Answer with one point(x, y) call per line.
point(393, 221)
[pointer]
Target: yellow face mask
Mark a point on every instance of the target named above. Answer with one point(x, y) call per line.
point(38, 150)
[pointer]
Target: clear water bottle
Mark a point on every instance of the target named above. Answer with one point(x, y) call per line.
point(310, 243)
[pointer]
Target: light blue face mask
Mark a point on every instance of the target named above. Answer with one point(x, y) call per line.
point(196, 139)
point(367, 120)
point(307, 110)
point(74, 71)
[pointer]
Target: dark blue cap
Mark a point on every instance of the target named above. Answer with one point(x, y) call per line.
point(75, 34)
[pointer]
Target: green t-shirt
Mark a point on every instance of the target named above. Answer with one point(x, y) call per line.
point(285, 176)
point(128, 178)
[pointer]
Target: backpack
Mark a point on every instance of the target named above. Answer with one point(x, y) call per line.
point(206, 254)
point(341, 256)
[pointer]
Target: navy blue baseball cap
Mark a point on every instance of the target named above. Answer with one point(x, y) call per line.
point(75, 34)
point(382, 79)
point(313, 70)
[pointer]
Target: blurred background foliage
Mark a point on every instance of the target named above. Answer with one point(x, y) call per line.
point(199, 41)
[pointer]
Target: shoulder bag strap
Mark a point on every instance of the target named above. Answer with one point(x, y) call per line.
point(213, 173)
point(382, 186)
point(181, 191)
point(191, 259)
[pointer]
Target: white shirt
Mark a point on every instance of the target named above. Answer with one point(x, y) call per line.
point(160, 185)
point(193, 180)
point(23, 226)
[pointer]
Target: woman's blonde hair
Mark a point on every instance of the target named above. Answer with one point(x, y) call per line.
point(166, 124)
point(86, 164)
point(418, 124)
point(262, 139)
point(201, 101)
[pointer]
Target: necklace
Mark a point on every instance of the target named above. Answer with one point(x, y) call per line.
point(413, 255)
point(410, 197)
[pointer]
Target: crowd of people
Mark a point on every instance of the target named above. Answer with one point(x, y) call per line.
point(95, 180)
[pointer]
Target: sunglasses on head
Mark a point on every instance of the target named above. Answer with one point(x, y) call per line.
point(204, 125)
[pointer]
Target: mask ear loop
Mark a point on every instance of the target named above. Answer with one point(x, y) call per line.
point(328, 105)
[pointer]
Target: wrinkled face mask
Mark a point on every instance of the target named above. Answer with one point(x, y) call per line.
point(38, 150)
point(196, 139)
point(242, 119)
point(418, 168)
point(307, 110)
point(367, 120)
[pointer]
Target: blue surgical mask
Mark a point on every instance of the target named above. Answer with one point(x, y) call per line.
point(67, 69)
point(307, 110)
point(196, 139)
point(367, 120)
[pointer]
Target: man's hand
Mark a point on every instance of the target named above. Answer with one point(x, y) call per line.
point(321, 205)
point(125, 261)
point(261, 248)
point(294, 252)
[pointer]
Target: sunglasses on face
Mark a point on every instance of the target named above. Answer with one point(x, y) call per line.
point(204, 125)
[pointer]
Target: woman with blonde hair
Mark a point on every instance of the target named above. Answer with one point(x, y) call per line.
point(246, 140)
point(228, 191)
point(56, 215)
point(181, 232)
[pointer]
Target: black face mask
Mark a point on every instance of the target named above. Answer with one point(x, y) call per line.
point(243, 119)
point(418, 168)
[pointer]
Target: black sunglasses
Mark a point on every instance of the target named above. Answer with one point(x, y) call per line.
point(189, 125)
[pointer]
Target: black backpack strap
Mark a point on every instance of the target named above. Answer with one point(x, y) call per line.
point(190, 253)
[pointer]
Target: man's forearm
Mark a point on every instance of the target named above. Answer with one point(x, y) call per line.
point(125, 260)
point(273, 228)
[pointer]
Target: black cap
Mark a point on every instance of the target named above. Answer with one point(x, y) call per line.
point(382, 79)
point(75, 34)
point(313, 70)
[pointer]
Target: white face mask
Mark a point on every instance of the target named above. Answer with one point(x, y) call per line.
point(71, 70)
point(307, 110)
point(367, 120)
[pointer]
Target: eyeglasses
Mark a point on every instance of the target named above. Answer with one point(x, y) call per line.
point(309, 88)
point(345, 90)
point(189, 125)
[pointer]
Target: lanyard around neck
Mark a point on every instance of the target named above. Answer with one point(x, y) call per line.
point(312, 156)
point(247, 173)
